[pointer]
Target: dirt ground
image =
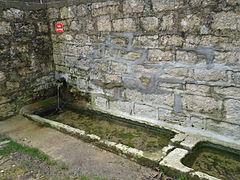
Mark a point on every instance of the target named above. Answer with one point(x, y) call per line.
point(84, 161)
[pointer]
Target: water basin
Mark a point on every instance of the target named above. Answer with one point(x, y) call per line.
point(215, 160)
point(114, 129)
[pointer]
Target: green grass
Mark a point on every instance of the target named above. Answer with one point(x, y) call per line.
point(182, 177)
point(13, 147)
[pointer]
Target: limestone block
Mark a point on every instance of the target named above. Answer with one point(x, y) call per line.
point(81, 10)
point(121, 41)
point(53, 13)
point(167, 23)
point(228, 91)
point(83, 39)
point(201, 104)
point(124, 25)
point(13, 13)
point(202, 3)
point(171, 40)
point(125, 107)
point(227, 58)
point(145, 111)
point(232, 107)
point(112, 79)
point(196, 88)
point(7, 110)
point(224, 128)
point(103, 8)
point(104, 23)
point(166, 99)
point(194, 122)
point(179, 72)
point(12, 85)
point(133, 6)
point(157, 55)
point(62, 69)
point(82, 84)
point(4, 100)
point(164, 5)
point(76, 25)
point(225, 20)
point(101, 103)
point(66, 12)
point(173, 160)
point(236, 77)
point(210, 40)
point(149, 23)
point(130, 56)
point(5, 28)
point(169, 116)
point(2, 76)
point(209, 75)
point(145, 41)
point(118, 68)
point(190, 22)
point(192, 41)
point(189, 57)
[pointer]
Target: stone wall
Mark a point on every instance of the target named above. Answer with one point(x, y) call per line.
point(174, 62)
point(26, 64)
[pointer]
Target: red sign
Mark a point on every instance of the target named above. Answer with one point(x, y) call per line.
point(59, 27)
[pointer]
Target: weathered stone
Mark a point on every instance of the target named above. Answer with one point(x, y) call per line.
point(131, 56)
point(133, 6)
point(62, 68)
point(127, 25)
point(167, 22)
point(118, 68)
point(236, 77)
point(209, 75)
point(7, 110)
point(225, 20)
point(228, 91)
point(104, 23)
point(202, 3)
point(125, 107)
point(103, 8)
point(173, 160)
point(149, 23)
point(2, 76)
point(13, 13)
point(66, 12)
point(101, 103)
point(145, 41)
point(12, 85)
point(190, 22)
point(4, 100)
point(209, 40)
point(53, 13)
point(157, 55)
point(165, 99)
point(192, 41)
point(81, 10)
point(229, 130)
point(179, 72)
point(5, 28)
point(201, 104)
point(188, 57)
point(232, 107)
point(194, 122)
point(228, 58)
point(195, 88)
point(171, 40)
point(121, 41)
point(145, 111)
point(164, 5)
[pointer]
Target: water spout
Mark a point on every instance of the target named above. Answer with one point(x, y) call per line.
point(60, 82)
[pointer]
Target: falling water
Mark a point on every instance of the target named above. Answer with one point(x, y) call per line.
point(59, 84)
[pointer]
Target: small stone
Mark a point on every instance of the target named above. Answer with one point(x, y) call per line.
point(225, 20)
point(133, 6)
point(124, 25)
point(149, 23)
point(66, 13)
point(157, 55)
point(5, 28)
point(103, 23)
point(2, 76)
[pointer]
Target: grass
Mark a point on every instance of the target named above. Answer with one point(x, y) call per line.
point(13, 147)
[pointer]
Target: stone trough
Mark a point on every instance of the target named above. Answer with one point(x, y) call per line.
point(169, 158)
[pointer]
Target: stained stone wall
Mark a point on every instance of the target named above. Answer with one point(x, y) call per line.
point(26, 64)
point(175, 63)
